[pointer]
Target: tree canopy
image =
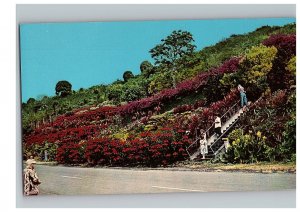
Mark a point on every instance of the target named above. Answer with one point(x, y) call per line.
point(146, 68)
point(63, 88)
point(127, 75)
point(173, 47)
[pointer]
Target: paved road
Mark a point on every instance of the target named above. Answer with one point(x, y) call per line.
point(75, 180)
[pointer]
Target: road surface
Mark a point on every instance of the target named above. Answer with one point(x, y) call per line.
point(80, 181)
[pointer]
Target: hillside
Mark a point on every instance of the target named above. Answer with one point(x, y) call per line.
point(147, 121)
point(34, 111)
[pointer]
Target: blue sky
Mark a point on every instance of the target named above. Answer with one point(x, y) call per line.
point(92, 53)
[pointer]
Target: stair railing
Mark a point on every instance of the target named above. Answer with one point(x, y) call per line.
point(216, 151)
point(227, 130)
point(225, 117)
point(211, 130)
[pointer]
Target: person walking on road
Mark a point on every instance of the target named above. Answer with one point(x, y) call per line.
point(203, 144)
point(31, 180)
point(244, 101)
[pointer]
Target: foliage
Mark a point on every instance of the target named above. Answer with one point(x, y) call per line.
point(70, 152)
point(291, 67)
point(187, 68)
point(133, 90)
point(140, 129)
point(246, 148)
point(127, 75)
point(160, 82)
point(288, 146)
point(114, 92)
point(146, 68)
point(30, 101)
point(274, 117)
point(256, 65)
point(173, 47)
point(63, 88)
point(148, 149)
point(279, 77)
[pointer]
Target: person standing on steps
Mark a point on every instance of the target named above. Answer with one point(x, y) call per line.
point(203, 144)
point(218, 125)
point(244, 101)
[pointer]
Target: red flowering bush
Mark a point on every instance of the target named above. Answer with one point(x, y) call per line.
point(70, 152)
point(182, 108)
point(149, 149)
point(279, 77)
point(279, 99)
point(285, 44)
point(94, 125)
point(190, 85)
point(206, 118)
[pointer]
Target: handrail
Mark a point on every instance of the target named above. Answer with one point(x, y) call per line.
point(230, 109)
point(212, 126)
point(216, 152)
point(220, 148)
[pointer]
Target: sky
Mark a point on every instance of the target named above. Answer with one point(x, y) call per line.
point(93, 53)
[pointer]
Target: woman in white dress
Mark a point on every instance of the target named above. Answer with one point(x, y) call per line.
point(203, 143)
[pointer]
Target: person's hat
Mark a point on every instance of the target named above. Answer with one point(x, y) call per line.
point(30, 161)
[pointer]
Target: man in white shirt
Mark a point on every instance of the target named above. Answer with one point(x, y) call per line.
point(218, 125)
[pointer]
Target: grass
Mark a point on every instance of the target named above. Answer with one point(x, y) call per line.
point(261, 167)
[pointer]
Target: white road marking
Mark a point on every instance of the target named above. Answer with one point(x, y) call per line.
point(72, 177)
point(181, 189)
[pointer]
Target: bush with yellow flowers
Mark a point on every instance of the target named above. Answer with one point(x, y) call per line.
point(246, 147)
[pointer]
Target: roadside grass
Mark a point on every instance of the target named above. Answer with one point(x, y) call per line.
point(263, 167)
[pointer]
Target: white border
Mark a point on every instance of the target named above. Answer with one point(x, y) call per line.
point(9, 118)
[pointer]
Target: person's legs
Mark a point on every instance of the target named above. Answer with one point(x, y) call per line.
point(245, 100)
point(218, 131)
point(242, 100)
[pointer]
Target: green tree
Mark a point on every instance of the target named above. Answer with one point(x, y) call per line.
point(63, 88)
point(175, 46)
point(114, 92)
point(30, 100)
point(127, 75)
point(146, 68)
point(133, 90)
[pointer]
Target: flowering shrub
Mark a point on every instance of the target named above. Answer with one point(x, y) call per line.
point(206, 118)
point(272, 117)
point(256, 66)
point(182, 88)
point(70, 152)
point(280, 77)
point(93, 125)
point(286, 44)
point(182, 108)
point(247, 148)
point(149, 148)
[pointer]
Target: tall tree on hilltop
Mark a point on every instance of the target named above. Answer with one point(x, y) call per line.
point(172, 48)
